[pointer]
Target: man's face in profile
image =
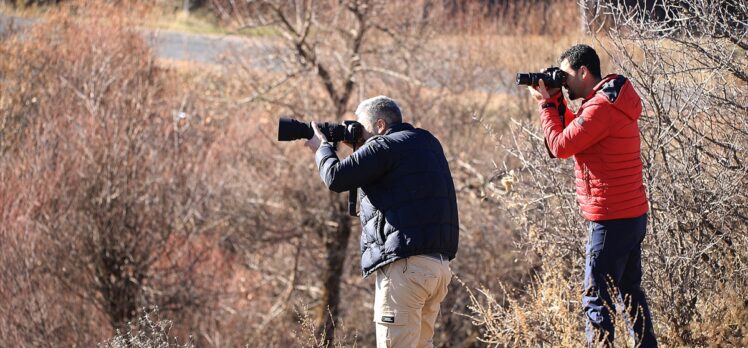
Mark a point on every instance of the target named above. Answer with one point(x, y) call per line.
point(369, 128)
point(573, 80)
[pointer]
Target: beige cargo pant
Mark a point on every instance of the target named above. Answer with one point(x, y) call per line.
point(406, 301)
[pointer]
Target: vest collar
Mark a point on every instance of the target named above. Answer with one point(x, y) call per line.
point(402, 126)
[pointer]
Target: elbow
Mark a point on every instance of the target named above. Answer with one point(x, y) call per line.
point(560, 149)
point(334, 186)
point(333, 182)
point(563, 153)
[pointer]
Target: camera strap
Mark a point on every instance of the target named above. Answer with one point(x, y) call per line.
point(562, 110)
point(352, 196)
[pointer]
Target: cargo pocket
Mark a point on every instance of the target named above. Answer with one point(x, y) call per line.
point(393, 329)
point(392, 317)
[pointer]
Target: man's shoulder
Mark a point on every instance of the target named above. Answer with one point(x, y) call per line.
point(598, 109)
point(401, 139)
point(598, 103)
point(610, 89)
point(602, 101)
point(409, 134)
point(377, 143)
point(615, 95)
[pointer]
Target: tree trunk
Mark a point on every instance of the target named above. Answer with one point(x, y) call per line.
point(336, 249)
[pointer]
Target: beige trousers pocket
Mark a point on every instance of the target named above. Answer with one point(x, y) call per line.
point(406, 301)
point(393, 329)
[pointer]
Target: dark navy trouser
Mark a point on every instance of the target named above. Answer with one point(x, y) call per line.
point(614, 255)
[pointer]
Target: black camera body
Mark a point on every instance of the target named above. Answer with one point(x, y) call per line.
point(553, 77)
point(290, 129)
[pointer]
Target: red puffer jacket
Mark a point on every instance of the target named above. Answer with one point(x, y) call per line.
point(603, 137)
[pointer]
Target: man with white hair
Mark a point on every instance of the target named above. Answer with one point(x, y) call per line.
point(408, 214)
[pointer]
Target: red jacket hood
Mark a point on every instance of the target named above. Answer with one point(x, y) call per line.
point(617, 91)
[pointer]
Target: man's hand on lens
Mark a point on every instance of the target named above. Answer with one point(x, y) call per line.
point(318, 138)
point(540, 93)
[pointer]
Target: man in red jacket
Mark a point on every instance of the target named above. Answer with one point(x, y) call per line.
point(603, 137)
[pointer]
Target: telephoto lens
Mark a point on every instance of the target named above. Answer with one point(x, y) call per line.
point(290, 129)
point(527, 79)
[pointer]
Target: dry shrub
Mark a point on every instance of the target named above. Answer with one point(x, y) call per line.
point(551, 318)
point(101, 196)
point(148, 331)
point(690, 72)
point(121, 190)
point(524, 17)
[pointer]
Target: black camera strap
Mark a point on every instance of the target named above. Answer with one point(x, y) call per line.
point(562, 110)
point(352, 196)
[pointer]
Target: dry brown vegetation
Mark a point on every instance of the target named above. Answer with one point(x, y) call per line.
point(127, 183)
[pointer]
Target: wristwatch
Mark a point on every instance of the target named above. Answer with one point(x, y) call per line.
point(548, 105)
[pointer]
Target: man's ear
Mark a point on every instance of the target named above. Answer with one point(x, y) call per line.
point(381, 126)
point(583, 72)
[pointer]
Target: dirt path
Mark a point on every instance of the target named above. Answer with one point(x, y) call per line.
point(205, 49)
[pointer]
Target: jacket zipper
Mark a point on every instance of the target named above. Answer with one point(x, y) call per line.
point(587, 180)
point(380, 228)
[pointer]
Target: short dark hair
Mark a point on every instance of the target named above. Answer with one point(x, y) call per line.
point(579, 55)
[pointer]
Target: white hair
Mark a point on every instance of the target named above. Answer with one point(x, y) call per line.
point(380, 107)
